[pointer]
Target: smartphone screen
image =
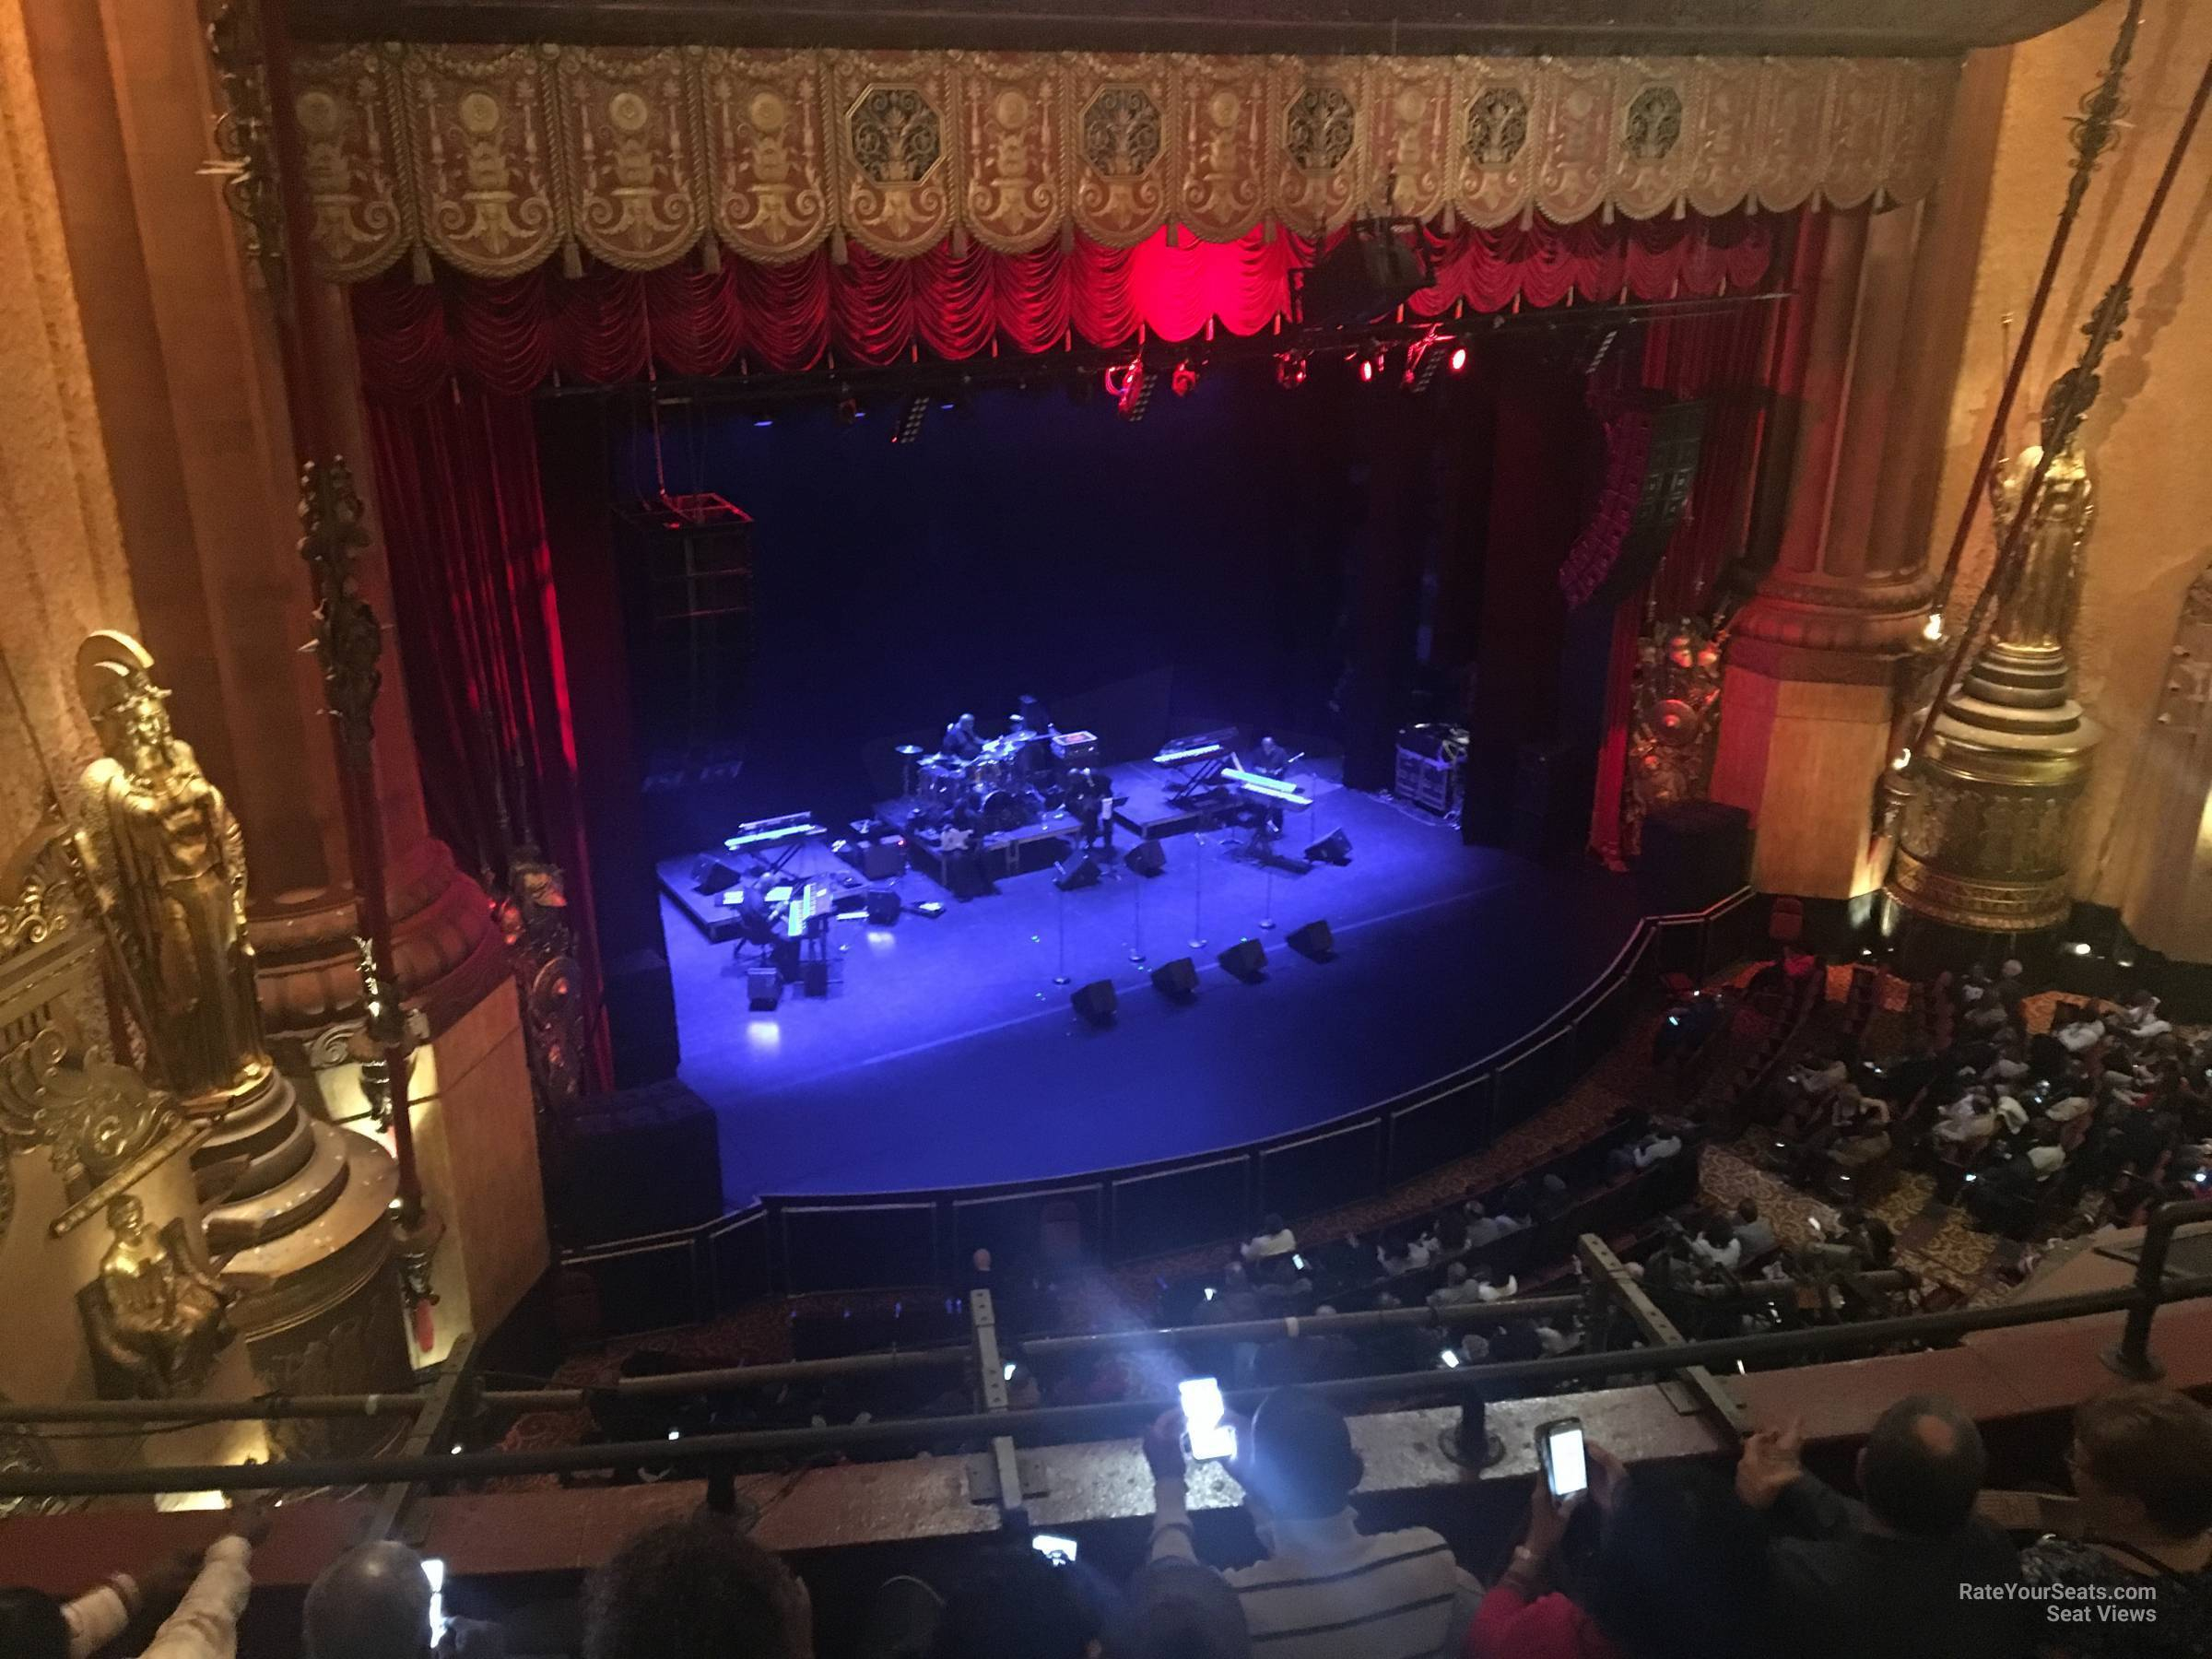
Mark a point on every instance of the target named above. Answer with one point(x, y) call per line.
point(1053, 1547)
point(1210, 1438)
point(434, 1570)
point(1565, 1467)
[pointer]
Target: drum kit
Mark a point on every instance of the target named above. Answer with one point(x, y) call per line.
point(999, 788)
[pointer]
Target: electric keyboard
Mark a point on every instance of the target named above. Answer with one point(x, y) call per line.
point(1271, 792)
point(771, 832)
point(1180, 758)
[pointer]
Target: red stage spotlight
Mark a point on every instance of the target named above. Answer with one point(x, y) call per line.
point(1185, 378)
point(1459, 358)
point(1289, 369)
point(1131, 388)
point(1367, 368)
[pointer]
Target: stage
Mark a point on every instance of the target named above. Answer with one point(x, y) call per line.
point(945, 1056)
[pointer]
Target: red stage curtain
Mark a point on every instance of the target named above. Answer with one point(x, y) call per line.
point(1730, 360)
point(457, 490)
point(509, 336)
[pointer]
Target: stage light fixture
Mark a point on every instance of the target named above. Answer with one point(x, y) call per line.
point(1459, 360)
point(1374, 364)
point(1423, 358)
point(909, 423)
point(1130, 388)
point(1367, 368)
point(1289, 369)
point(1185, 379)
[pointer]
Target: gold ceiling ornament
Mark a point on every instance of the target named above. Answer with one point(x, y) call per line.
point(496, 158)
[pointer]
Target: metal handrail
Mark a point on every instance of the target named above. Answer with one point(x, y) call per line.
point(2131, 1357)
point(1477, 1382)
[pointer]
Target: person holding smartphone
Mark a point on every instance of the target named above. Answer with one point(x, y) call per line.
point(1678, 1569)
point(1325, 1590)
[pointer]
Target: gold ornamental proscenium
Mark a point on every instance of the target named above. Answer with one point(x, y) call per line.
point(1987, 835)
point(168, 864)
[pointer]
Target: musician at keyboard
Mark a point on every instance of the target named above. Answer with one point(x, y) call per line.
point(1271, 760)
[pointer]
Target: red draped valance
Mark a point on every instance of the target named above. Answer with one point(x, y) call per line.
point(510, 334)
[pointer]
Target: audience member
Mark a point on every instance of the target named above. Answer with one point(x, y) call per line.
point(1487, 1289)
point(1274, 1239)
point(1754, 1235)
point(1458, 1287)
point(1903, 1575)
point(1016, 1606)
point(696, 1589)
point(194, 1603)
point(2142, 1468)
point(1325, 1589)
point(1680, 1572)
point(1178, 1609)
point(372, 1602)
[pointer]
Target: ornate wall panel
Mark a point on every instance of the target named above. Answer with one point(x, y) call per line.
point(494, 193)
point(1124, 119)
point(896, 143)
point(1320, 150)
point(346, 103)
point(495, 157)
point(1498, 119)
point(1014, 193)
point(767, 165)
point(1656, 110)
point(1219, 195)
point(631, 149)
point(1413, 134)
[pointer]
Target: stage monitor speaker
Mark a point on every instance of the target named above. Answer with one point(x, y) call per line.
point(1096, 1002)
point(1335, 848)
point(883, 860)
point(1146, 858)
point(1695, 854)
point(1314, 941)
point(639, 1001)
point(641, 1161)
point(814, 974)
point(884, 908)
point(763, 989)
point(1177, 980)
point(709, 874)
point(1077, 870)
point(1246, 960)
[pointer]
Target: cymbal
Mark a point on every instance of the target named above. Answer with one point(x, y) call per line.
point(909, 749)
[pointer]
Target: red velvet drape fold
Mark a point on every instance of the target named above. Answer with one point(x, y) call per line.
point(510, 335)
point(479, 635)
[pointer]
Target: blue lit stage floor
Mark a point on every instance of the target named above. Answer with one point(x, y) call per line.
point(947, 1057)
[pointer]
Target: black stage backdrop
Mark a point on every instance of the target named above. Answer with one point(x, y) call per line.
point(1307, 560)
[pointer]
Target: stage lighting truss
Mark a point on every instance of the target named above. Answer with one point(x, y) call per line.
point(909, 423)
point(1425, 357)
point(1289, 369)
point(1130, 388)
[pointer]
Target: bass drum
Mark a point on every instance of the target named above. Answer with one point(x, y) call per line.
point(1002, 809)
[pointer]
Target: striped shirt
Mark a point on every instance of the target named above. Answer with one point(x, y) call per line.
point(1331, 1591)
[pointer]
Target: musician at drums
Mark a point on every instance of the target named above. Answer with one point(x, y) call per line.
point(961, 741)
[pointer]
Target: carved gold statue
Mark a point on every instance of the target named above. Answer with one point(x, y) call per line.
point(157, 1319)
point(168, 865)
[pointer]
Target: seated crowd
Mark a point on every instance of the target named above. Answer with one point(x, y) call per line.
point(2038, 1134)
point(1662, 1561)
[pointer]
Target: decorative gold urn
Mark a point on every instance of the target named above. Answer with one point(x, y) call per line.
point(1986, 832)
